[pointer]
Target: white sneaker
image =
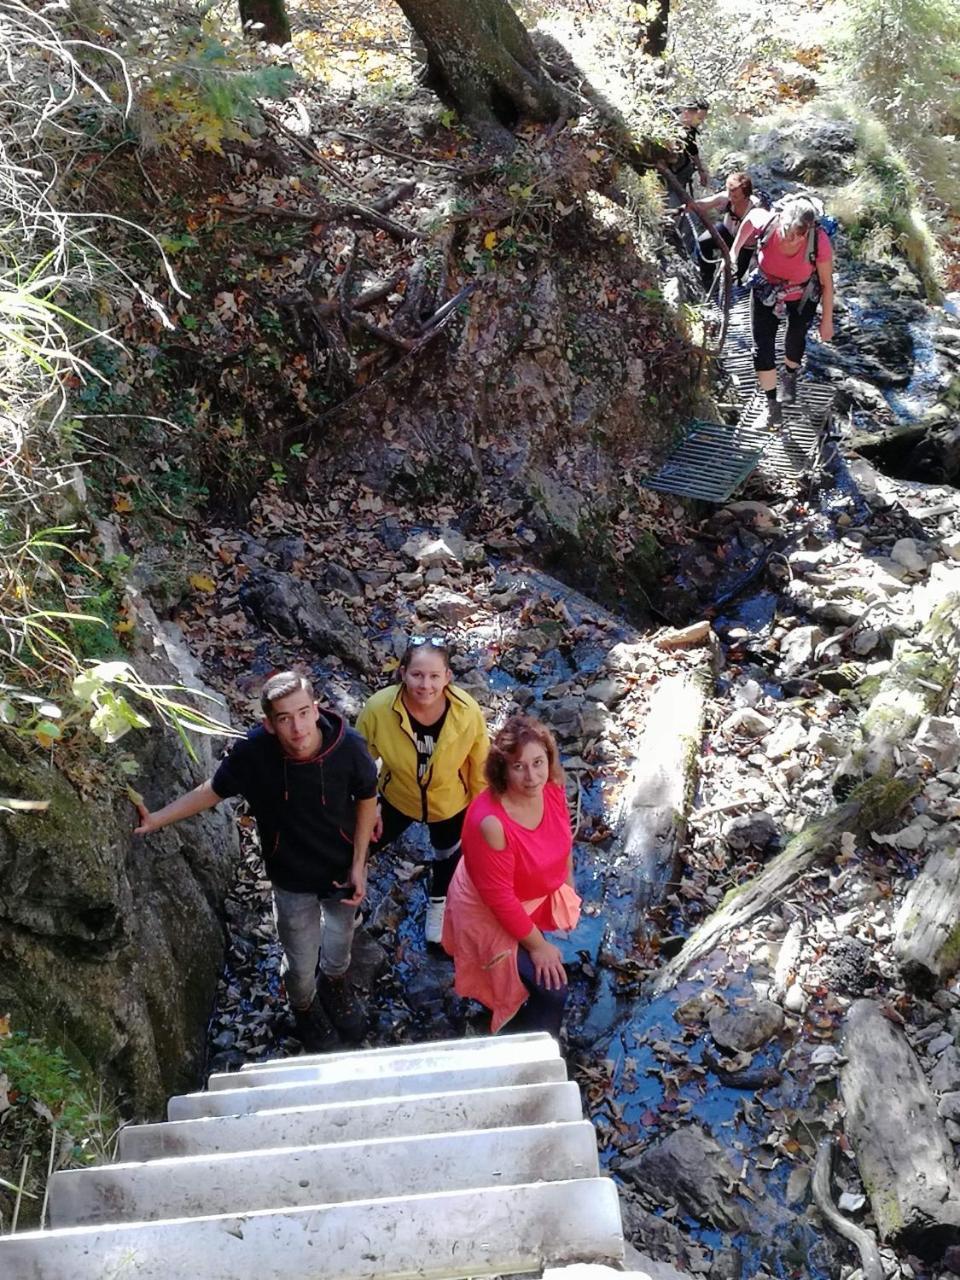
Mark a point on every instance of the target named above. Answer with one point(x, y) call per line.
point(433, 927)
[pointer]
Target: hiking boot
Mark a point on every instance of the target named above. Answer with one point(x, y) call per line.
point(772, 415)
point(314, 1030)
point(433, 925)
point(343, 1007)
point(787, 385)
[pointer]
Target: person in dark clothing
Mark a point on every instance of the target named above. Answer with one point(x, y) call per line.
point(685, 159)
point(312, 787)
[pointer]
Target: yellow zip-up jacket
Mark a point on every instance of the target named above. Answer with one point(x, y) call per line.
point(455, 774)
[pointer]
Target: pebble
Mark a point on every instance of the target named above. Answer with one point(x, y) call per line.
point(904, 551)
point(795, 1001)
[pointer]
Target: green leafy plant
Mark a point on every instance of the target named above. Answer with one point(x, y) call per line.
point(49, 1118)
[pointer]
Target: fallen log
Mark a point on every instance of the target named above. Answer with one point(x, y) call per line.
point(917, 684)
point(927, 940)
point(903, 1153)
point(656, 804)
point(871, 805)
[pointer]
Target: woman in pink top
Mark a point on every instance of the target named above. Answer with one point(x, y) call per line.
point(515, 883)
point(795, 271)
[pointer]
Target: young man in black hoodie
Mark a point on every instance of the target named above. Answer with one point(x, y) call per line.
point(312, 787)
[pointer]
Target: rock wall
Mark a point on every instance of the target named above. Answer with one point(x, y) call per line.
point(109, 944)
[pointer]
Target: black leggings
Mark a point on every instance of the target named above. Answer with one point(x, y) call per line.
point(444, 836)
point(710, 254)
point(543, 1010)
point(765, 325)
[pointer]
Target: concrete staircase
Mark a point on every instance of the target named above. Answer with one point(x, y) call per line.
point(452, 1159)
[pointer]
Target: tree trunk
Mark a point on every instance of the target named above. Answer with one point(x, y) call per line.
point(902, 1150)
point(873, 803)
point(485, 60)
point(269, 19)
point(927, 943)
point(653, 39)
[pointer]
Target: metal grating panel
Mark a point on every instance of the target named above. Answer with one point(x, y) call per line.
point(709, 462)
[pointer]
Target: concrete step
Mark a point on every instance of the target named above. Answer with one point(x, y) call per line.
point(409, 1061)
point(353, 1121)
point(445, 1236)
point(199, 1186)
point(478, 1043)
point(296, 1093)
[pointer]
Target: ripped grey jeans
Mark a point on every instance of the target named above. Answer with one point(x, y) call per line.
point(308, 926)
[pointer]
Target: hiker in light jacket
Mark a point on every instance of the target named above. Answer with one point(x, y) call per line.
point(431, 739)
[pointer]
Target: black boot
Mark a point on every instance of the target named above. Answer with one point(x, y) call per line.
point(314, 1030)
point(343, 1007)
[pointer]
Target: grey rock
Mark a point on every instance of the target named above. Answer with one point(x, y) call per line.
point(787, 736)
point(938, 741)
point(866, 641)
point(748, 1028)
point(447, 606)
point(945, 1076)
point(747, 723)
point(337, 577)
point(746, 693)
point(690, 1169)
point(948, 1108)
point(904, 551)
point(796, 648)
point(593, 720)
point(827, 743)
point(288, 550)
point(294, 609)
point(727, 1265)
point(750, 831)
point(609, 691)
point(937, 1045)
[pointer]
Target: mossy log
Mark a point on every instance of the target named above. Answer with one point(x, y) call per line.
point(916, 685)
point(927, 942)
point(656, 805)
point(871, 805)
point(902, 1150)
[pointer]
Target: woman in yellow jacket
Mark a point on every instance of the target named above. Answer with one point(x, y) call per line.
point(431, 739)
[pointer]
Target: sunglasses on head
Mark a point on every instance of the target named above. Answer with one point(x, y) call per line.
point(435, 642)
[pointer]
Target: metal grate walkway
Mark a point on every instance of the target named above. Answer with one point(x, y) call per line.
point(713, 459)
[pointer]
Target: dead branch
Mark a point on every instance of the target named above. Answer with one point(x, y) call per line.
point(403, 155)
point(347, 209)
point(309, 152)
point(866, 1245)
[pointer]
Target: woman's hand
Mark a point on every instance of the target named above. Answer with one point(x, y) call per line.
point(547, 966)
point(826, 328)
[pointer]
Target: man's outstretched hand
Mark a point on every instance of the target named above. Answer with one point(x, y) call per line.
point(148, 823)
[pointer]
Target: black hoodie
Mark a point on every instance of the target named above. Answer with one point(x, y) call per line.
point(305, 810)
